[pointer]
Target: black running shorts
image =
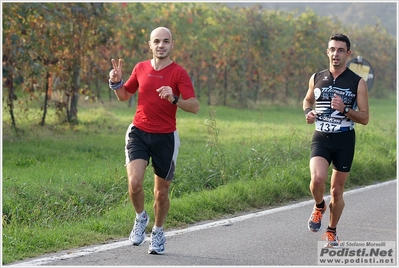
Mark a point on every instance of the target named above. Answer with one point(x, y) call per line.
point(161, 148)
point(336, 148)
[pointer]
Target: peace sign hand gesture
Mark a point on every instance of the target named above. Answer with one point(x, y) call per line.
point(115, 75)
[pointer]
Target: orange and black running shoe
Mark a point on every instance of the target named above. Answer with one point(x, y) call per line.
point(332, 240)
point(314, 224)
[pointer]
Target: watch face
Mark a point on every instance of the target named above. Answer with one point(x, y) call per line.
point(346, 110)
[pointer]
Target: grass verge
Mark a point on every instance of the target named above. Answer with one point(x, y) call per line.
point(65, 187)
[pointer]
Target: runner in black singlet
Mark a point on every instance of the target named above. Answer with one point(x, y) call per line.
point(337, 98)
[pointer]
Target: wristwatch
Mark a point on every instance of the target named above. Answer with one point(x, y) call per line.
point(346, 110)
point(176, 99)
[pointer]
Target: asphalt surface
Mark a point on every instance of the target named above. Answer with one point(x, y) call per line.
point(273, 237)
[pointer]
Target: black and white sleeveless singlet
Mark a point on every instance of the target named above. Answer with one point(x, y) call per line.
point(325, 86)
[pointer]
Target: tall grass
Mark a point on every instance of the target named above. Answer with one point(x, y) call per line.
point(65, 187)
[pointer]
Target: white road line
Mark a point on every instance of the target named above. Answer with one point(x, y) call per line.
point(86, 251)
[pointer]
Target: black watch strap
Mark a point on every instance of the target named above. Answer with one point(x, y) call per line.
point(176, 99)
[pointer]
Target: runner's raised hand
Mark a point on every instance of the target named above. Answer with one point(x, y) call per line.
point(115, 75)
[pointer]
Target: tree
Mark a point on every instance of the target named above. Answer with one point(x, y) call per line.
point(53, 53)
point(49, 42)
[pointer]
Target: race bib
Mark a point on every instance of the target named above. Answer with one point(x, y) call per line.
point(328, 124)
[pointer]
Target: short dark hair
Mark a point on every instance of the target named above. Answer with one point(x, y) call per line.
point(341, 37)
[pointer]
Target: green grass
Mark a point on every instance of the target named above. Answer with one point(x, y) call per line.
point(65, 187)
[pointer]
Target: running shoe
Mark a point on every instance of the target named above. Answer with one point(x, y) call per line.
point(332, 240)
point(157, 244)
point(137, 236)
point(314, 224)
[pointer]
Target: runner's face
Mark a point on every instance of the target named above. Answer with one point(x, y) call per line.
point(161, 44)
point(337, 53)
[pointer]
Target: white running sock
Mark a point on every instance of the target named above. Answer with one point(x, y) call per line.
point(140, 215)
point(156, 229)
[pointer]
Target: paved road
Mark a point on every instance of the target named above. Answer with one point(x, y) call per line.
point(273, 237)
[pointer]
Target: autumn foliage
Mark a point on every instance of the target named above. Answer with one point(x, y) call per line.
point(55, 53)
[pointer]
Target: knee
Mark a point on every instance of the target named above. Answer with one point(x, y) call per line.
point(135, 186)
point(317, 181)
point(336, 193)
point(160, 195)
